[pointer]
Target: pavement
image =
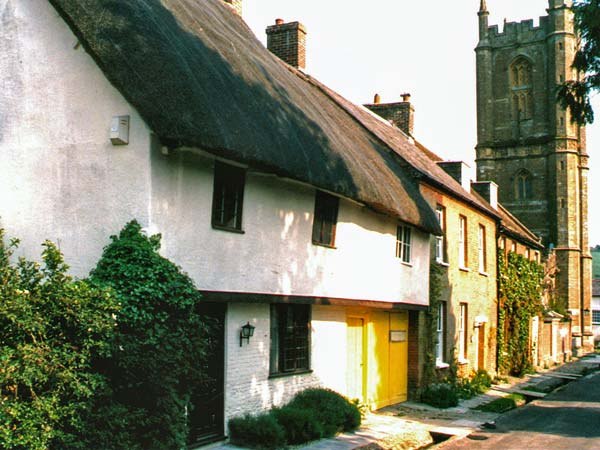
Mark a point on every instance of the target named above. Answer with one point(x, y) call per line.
point(411, 426)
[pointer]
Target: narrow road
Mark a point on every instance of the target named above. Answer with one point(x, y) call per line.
point(567, 419)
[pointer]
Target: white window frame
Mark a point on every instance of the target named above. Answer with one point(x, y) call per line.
point(440, 331)
point(403, 243)
point(482, 250)
point(440, 241)
point(462, 242)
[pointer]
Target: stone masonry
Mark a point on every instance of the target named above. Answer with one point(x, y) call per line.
point(527, 144)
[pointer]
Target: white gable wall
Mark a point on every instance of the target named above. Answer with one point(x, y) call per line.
point(60, 177)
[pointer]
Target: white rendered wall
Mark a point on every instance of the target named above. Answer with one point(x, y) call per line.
point(60, 177)
point(248, 388)
point(275, 254)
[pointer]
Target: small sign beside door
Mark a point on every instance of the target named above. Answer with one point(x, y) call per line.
point(397, 336)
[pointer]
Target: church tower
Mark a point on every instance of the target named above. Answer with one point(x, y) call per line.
point(527, 144)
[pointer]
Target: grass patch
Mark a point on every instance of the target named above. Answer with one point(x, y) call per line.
point(503, 404)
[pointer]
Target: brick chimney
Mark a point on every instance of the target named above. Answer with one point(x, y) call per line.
point(400, 114)
point(236, 5)
point(488, 190)
point(288, 42)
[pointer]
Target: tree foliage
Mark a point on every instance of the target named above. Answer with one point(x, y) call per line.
point(520, 299)
point(160, 345)
point(575, 94)
point(52, 328)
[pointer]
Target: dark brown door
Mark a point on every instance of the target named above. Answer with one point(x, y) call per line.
point(206, 412)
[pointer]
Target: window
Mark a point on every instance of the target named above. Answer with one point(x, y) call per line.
point(440, 241)
point(596, 316)
point(462, 242)
point(228, 197)
point(403, 238)
point(462, 333)
point(513, 247)
point(290, 342)
point(482, 250)
point(325, 219)
point(523, 185)
point(441, 326)
point(522, 97)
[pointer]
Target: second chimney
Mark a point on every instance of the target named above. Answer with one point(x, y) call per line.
point(459, 171)
point(488, 190)
point(288, 42)
point(400, 114)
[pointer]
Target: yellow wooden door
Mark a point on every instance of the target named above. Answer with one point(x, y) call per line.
point(399, 359)
point(388, 358)
point(355, 370)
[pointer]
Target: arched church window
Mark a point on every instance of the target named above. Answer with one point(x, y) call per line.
point(523, 185)
point(521, 76)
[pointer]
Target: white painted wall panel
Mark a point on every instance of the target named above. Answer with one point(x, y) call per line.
point(275, 254)
point(62, 179)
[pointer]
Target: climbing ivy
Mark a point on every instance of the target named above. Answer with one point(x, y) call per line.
point(519, 297)
point(435, 297)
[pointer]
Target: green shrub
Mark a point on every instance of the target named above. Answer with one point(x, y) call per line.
point(440, 395)
point(262, 431)
point(159, 350)
point(52, 328)
point(335, 412)
point(482, 381)
point(300, 425)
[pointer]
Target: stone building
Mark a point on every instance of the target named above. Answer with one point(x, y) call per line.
point(527, 144)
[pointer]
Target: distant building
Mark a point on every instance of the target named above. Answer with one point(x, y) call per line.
point(527, 144)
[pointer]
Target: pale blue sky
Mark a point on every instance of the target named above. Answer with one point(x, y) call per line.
point(421, 47)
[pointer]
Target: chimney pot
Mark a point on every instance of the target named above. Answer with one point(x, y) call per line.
point(406, 97)
point(377, 99)
point(279, 21)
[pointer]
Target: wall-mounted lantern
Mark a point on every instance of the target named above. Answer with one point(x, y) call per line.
point(246, 332)
point(586, 312)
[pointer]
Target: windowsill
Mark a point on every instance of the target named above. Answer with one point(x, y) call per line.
point(442, 263)
point(441, 365)
point(464, 269)
point(228, 229)
point(484, 274)
point(321, 244)
point(463, 362)
point(407, 264)
point(290, 374)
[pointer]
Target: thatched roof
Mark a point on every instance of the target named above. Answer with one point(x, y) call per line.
point(199, 77)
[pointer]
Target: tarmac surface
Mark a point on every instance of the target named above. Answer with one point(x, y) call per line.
point(568, 418)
